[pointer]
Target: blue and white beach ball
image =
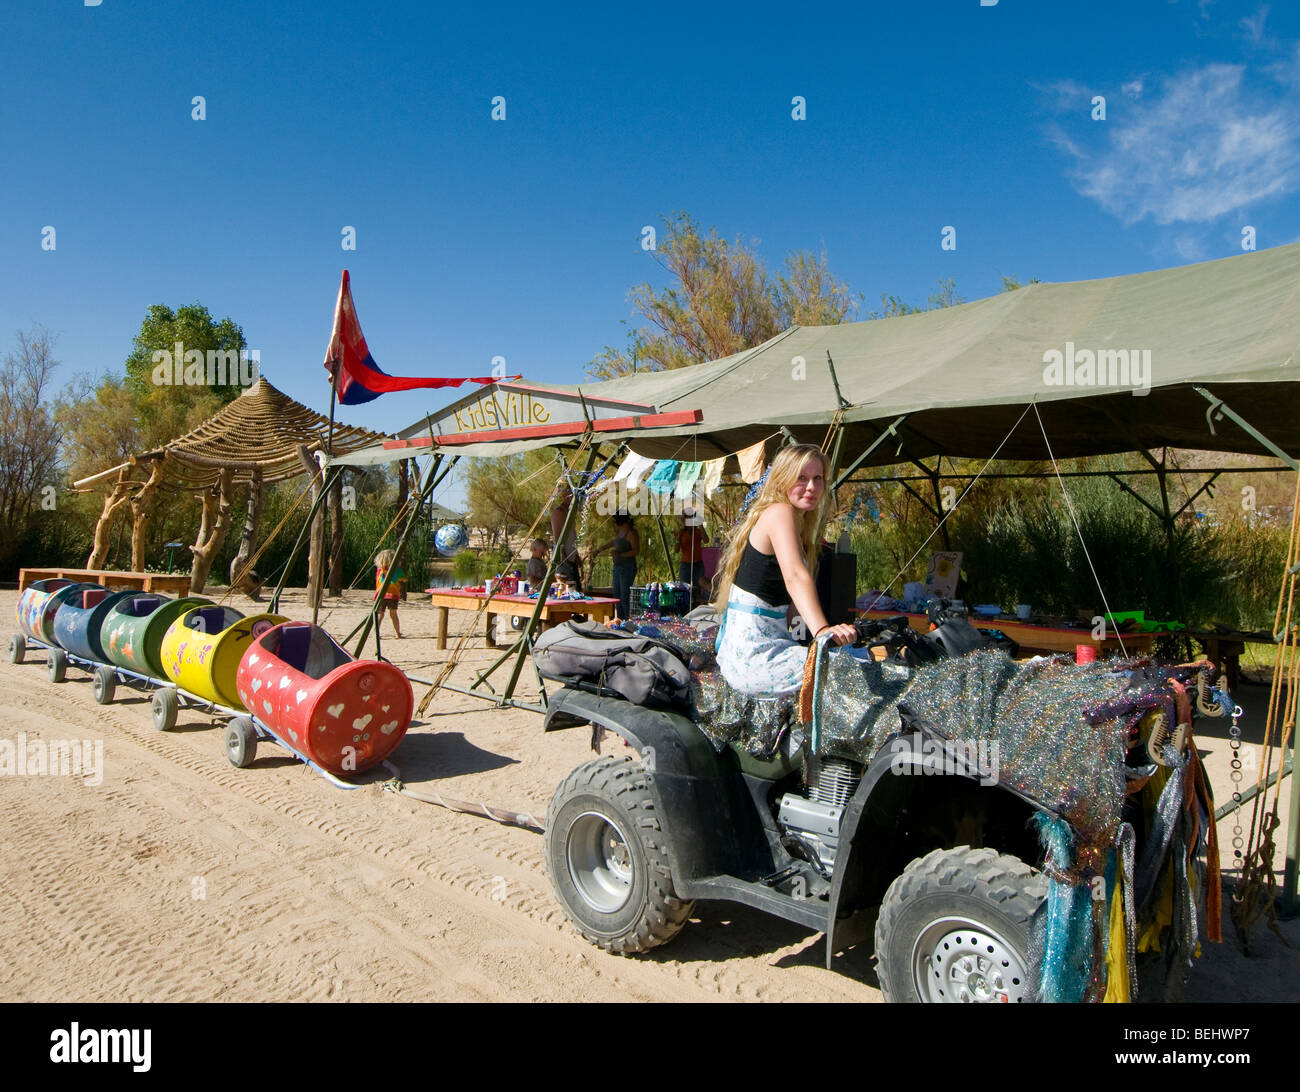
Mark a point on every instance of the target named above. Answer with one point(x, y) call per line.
point(450, 539)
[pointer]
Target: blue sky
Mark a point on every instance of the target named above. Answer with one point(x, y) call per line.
point(521, 238)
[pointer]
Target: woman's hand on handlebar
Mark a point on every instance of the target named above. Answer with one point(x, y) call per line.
point(843, 634)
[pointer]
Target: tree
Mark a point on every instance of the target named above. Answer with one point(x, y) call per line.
point(720, 300)
point(29, 436)
point(944, 295)
point(506, 495)
point(166, 410)
point(116, 417)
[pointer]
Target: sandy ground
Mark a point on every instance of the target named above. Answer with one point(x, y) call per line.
point(182, 878)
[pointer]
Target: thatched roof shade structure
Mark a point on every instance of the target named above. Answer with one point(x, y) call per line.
point(260, 431)
point(262, 436)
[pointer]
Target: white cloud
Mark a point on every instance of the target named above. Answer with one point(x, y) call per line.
point(1287, 70)
point(1133, 89)
point(1253, 25)
point(1195, 149)
point(1066, 95)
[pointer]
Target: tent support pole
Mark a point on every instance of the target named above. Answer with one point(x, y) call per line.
point(1136, 496)
point(519, 647)
point(937, 510)
point(274, 606)
point(414, 512)
point(924, 503)
point(663, 537)
point(1113, 474)
point(892, 430)
point(833, 456)
point(1220, 408)
point(1188, 503)
point(574, 503)
point(417, 504)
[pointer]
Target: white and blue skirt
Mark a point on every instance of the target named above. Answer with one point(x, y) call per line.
point(756, 654)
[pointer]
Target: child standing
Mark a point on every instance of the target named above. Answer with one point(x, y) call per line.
point(535, 573)
point(397, 584)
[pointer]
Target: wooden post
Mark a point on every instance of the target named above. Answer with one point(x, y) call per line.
point(212, 530)
point(140, 505)
point(316, 539)
point(336, 535)
point(249, 582)
point(119, 495)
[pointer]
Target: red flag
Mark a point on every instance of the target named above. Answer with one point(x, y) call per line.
point(353, 370)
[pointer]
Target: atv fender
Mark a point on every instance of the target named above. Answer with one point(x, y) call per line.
point(902, 756)
point(694, 794)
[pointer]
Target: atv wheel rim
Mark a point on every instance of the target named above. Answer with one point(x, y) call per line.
point(600, 864)
point(955, 962)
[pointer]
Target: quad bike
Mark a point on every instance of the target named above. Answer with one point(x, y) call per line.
point(946, 870)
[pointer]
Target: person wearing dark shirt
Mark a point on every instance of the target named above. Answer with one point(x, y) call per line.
point(768, 565)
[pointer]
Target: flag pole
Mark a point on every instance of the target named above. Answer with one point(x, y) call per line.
point(329, 454)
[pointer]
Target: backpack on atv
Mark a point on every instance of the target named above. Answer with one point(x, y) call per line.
point(611, 662)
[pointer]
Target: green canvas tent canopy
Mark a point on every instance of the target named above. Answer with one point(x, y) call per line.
point(1132, 352)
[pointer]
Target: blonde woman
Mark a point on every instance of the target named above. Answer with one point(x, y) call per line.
point(768, 565)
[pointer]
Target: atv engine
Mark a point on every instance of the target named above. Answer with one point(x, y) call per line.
point(810, 824)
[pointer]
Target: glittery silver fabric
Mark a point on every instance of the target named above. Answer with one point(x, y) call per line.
point(724, 715)
point(1051, 744)
point(1126, 844)
point(855, 703)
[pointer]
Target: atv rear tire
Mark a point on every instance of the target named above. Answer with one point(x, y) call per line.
point(608, 860)
point(955, 927)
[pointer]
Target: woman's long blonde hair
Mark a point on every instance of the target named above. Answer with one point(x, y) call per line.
point(782, 475)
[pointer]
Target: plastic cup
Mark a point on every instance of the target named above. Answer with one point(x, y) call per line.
point(1085, 654)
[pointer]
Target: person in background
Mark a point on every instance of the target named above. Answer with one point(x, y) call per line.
point(383, 563)
point(765, 568)
point(566, 578)
point(567, 551)
point(535, 571)
point(691, 540)
point(624, 546)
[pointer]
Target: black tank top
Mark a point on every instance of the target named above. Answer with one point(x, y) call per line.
point(760, 574)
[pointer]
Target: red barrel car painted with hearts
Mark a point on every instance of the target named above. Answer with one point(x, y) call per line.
point(345, 715)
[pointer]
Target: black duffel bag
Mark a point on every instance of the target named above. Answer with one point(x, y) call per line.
point(640, 669)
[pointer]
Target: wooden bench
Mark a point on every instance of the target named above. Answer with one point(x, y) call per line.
point(166, 583)
point(517, 606)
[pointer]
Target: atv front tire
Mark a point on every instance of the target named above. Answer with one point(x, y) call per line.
point(608, 860)
point(955, 928)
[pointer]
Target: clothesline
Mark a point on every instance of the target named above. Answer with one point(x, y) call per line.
point(684, 479)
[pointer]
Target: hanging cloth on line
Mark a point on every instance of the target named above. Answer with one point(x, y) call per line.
point(751, 462)
point(664, 476)
point(687, 475)
point(632, 468)
point(711, 476)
